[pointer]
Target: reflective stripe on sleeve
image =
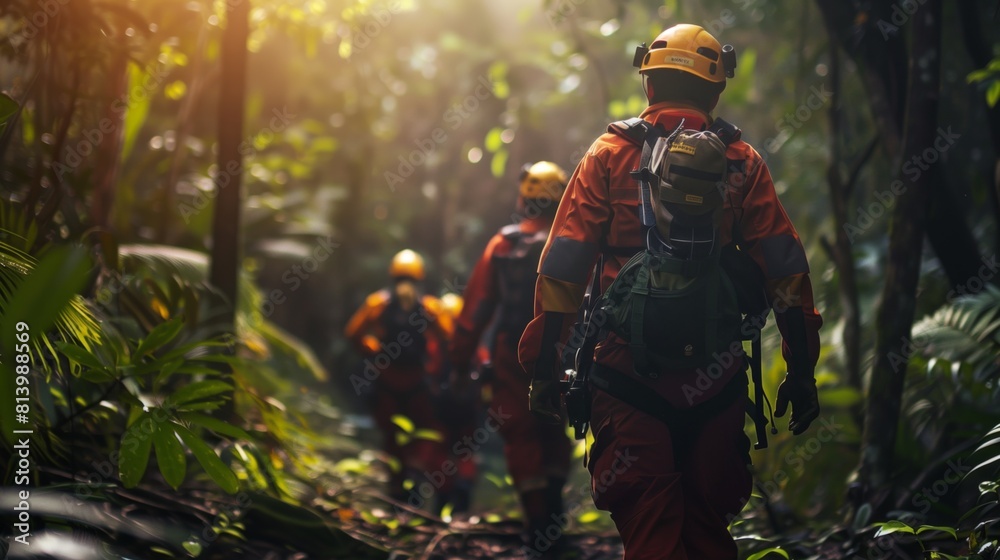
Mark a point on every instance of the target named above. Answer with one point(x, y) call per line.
point(784, 256)
point(569, 260)
point(558, 296)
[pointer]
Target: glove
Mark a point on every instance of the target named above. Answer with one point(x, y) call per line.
point(801, 393)
point(544, 400)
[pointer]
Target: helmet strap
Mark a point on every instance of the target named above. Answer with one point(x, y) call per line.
point(647, 87)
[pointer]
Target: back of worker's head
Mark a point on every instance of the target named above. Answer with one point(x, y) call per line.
point(540, 188)
point(406, 270)
point(685, 64)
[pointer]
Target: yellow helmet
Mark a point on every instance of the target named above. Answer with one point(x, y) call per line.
point(688, 48)
point(452, 304)
point(407, 264)
point(542, 181)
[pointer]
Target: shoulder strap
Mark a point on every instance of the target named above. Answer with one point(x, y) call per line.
point(634, 129)
point(641, 133)
point(726, 131)
point(511, 231)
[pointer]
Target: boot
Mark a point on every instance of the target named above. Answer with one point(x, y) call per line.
point(544, 534)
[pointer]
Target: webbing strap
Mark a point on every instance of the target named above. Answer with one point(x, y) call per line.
point(653, 133)
point(759, 421)
point(712, 319)
point(637, 344)
point(685, 268)
point(640, 396)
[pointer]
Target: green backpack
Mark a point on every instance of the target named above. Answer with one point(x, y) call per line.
point(673, 302)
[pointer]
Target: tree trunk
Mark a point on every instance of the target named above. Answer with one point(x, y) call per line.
point(228, 180)
point(841, 189)
point(876, 45)
point(879, 52)
point(895, 314)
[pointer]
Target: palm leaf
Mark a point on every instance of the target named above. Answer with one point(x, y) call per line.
point(76, 323)
point(967, 330)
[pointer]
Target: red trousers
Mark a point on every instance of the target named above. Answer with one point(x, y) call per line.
point(415, 454)
point(535, 451)
point(671, 495)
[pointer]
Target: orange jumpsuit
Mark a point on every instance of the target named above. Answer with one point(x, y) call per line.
point(401, 388)
point(671, 495)
point(537, 453)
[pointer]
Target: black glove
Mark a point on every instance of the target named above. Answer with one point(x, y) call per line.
point(801, 393)
point(544, 400)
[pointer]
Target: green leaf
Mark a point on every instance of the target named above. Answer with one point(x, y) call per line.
point(193, 547)
point(97, 375)
point(493, 141)
point(993, 94)
point(167, 370)
point(133, 455)
point(80, 355)
point(403, 423)
point(198, 391)
point(47, 290)
point(983, 465)
point(170, 454)
point(427, 434)
point(766, 551)
point(8, 108)
point(950, 530)
point(162, 334)
point(216, 425)
point(862, 516)
point(216, 469)
point(978, 75)
point(891, 527)
point(938, 555)
point(990, 443)
point(496, 480)
point(499, 163)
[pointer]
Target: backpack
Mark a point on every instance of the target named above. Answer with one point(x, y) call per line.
point(674, 302)
point(516, 275)
point(399, 324)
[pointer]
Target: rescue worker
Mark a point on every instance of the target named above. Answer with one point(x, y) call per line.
point(501, 290)
point(458, 411)
point(671, 490)
point(392, 330)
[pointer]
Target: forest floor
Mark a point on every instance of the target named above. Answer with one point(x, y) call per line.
point(334, 508)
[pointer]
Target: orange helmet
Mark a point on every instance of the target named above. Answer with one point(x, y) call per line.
point(452, 304)
point(688, 48)
point(542, 180)
point(407, 264)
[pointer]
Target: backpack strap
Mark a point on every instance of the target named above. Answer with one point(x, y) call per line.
point(634, 129)
point(726, 131)
point(641, 132)
point(637, 341)
point(511, 232)
point(729, 133)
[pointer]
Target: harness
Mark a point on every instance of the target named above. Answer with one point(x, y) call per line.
point(623, 387)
